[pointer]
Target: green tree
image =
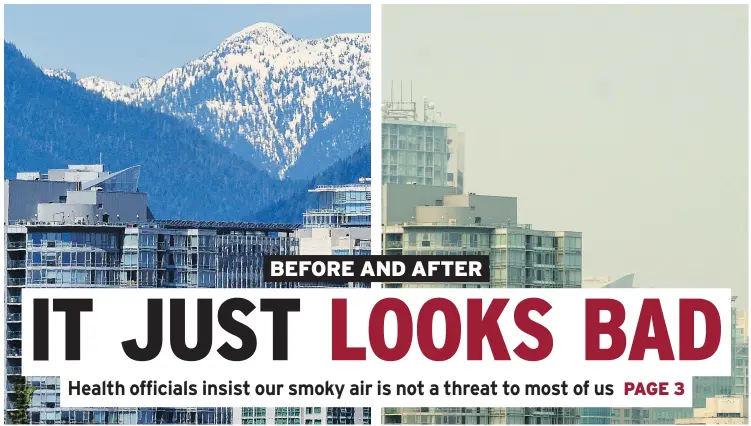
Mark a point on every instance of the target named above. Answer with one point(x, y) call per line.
point(21, 402)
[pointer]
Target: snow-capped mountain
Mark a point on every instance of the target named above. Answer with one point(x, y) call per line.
point(266, 95)
point(62, 73)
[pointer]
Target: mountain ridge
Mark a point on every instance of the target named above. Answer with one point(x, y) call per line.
point(262, 93)
point(51, 122)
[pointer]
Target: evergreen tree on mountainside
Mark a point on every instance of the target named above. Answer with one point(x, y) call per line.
point(51, 122)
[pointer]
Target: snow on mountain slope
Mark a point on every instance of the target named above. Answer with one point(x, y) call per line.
point(262, 93)
point(62, 73)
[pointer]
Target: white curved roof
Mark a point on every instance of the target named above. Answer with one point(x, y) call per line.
point(626, 281)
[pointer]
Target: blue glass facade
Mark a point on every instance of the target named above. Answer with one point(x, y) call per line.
point(340, 206)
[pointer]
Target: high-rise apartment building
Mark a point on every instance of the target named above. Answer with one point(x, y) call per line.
point(466, 224)
point(420, 152)
point(83, 227)
point(424, 212)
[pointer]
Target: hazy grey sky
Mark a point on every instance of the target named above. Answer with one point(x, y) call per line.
point(627, 123)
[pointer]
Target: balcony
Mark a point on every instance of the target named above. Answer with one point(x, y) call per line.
point(13, 370)
point(14, 317)
point(393, 244)
point(13, 353)
point(16, 264)
point(14, 300)
point(13, 335)
point(15, 245)
point(16, 282)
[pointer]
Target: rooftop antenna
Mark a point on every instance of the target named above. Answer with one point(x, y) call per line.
point(400, 109)
point(100, 157)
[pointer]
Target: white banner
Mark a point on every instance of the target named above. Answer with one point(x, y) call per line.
point(536, 360)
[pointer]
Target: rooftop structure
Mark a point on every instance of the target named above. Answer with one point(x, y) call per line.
point(78, 194)
point(340, 206)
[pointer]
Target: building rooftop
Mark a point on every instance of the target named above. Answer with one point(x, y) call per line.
point(404, 122)
point(89, 177)
point(172, 224)
point(226, 226)
point(362, 185)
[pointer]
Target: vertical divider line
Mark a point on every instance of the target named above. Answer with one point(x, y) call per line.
point(375, 131)
point(376, 80)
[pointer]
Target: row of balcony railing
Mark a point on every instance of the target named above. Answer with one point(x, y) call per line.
point(16, 264)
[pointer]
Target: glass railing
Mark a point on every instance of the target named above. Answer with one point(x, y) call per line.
point(16, 281)
point(13, 335)
point(14, 317)
point(14, 299)
point(16, 264)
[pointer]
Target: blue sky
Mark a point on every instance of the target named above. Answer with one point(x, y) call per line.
point(125, 42)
